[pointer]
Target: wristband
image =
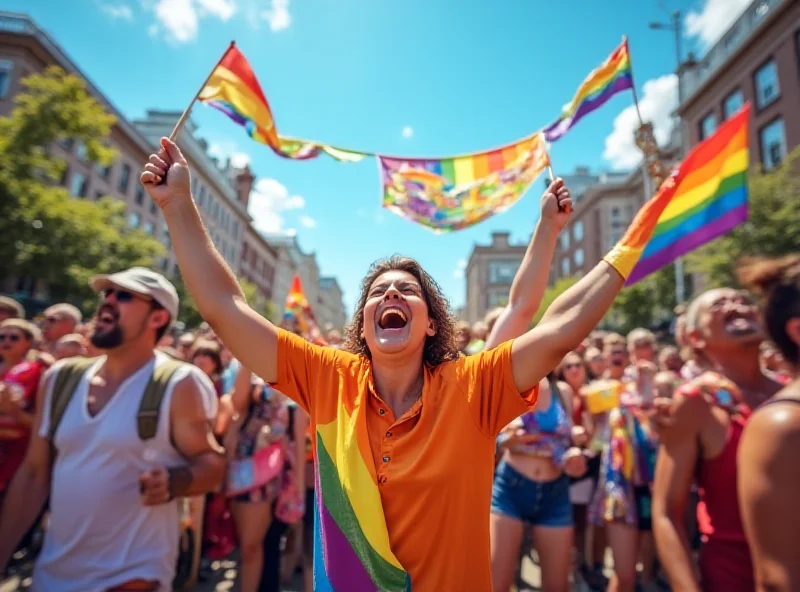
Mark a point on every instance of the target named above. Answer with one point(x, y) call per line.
point(627, 252)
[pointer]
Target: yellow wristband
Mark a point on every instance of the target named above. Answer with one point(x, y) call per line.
point(624, 258)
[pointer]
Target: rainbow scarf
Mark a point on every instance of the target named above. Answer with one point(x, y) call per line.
point(613, 76)
point(351, 540)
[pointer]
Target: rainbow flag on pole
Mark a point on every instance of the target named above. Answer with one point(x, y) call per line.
point(613, 76)
point(233, 89)
point(707, 197)
point(298, 313)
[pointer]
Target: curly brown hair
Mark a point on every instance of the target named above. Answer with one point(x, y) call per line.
point(439, 348)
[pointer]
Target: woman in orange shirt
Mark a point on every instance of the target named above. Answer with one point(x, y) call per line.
point(404, 427)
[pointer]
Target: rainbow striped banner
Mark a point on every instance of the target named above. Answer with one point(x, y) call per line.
point(446, 194)
point(705, 197)
point(613, 76)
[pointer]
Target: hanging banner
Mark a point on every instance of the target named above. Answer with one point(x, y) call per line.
point(447, 194)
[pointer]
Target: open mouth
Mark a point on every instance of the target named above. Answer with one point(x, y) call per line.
point(106, 317)
point(738, 323)
point(392, 318)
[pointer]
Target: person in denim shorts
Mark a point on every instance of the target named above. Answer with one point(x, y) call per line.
point(531, 488)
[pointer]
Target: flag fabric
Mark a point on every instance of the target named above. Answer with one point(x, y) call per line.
point(446, 194)
point(705, 197)
point(613, 76)
point(298, 313)
point(234, 89)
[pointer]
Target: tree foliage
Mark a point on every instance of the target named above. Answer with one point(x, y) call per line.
point(46, 234)
point(772, 229)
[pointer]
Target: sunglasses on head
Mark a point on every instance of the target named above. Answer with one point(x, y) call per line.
point(572, 365)
point(12, 337)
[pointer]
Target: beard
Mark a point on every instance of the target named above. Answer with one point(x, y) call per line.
point(109, 339)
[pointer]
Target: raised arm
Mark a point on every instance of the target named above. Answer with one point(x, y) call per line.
point(575, 313)
point(530, 281)
point(213, 286)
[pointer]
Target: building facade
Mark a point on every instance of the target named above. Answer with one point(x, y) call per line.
point(490, 271)
point(332, 313)
point(757, 60)
point(257, 264)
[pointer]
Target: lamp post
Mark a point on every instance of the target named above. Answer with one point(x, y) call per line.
point(675, 27)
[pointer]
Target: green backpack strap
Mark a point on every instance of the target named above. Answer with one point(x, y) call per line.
point(64, 385)
point(150, 406)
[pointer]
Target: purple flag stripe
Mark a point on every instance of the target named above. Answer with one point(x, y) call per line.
point(688, 243)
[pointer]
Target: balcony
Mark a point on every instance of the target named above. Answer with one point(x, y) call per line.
point(693, 77)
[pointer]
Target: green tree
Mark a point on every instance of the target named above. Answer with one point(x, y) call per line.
point(644, 304)
point(772, 229)
point(192, 318)
point(45, 233)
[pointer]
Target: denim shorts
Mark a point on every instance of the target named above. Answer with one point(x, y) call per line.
point(538, 504)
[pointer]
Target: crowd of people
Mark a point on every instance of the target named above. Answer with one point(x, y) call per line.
point(413, 452)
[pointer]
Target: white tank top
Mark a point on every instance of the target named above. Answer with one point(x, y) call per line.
point(99, 533)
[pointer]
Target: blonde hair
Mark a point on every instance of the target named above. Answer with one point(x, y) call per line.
point(66, 310)
point(640, 335)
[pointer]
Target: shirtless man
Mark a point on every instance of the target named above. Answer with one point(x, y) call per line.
point(701, 440)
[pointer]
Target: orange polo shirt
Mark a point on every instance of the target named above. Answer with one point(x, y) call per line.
point(408, 498)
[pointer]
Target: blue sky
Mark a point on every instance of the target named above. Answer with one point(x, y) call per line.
point(415, 78)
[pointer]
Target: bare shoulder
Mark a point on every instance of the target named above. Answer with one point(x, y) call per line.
point(775, 426)
point(193, 395)
point(688, 414)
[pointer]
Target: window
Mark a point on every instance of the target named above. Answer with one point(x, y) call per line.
point(565, 267)
point(153, 207)
point(235, 229)
point(577, 258)
point(6, 68)
point(564, 239)
point(98, 195)
point(139, 195)
point(201, 197)
point(103, 171)
point(733, 102)
point(577, 231)
point(773, 144)
point(164, 264)
point(124, 178)
point(148, 228)
point(767, 87)
point(165, 238)
point(134, 220)
point(502, 272)
point(78, 185)
point(708, 125)
point(80, 151)
point(495, 299)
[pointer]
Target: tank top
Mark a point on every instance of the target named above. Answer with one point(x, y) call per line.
point(553, 425)
point(99, 534)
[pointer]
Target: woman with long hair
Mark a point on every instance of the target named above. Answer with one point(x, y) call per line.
point(401, 504)
point(769, 474)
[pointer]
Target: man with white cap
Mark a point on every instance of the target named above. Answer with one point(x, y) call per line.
point(116, 440)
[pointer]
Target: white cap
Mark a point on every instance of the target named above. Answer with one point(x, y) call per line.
point(141, 280)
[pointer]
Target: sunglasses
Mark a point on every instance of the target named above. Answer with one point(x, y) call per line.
point(12, 337)
point(122, 296)
point(573, 365)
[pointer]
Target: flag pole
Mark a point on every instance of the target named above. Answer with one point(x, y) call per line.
point(182, 121)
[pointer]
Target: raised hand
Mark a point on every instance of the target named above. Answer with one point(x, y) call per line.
point(167, 164)
point(557, 204)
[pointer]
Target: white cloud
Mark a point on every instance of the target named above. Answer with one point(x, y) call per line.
point(308, 221)
point(180, 18)
point(659, 100)
point(408, 131)
point(118, 11)
point(460, 267)
point(268, 200)
point(278, 15)
point(225, 150)
point(715, 18)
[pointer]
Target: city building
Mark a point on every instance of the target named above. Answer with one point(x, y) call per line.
point(757, 60)
point(223, 210)
point(331, 310)
point(257, 264)
point(490, 271)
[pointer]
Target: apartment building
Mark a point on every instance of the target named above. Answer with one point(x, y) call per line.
point(490, 270)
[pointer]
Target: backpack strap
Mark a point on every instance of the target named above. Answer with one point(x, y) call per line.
point(64, 385)
point(150, 406)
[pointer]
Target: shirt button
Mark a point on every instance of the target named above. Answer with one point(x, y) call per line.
point(385, 459)
point(382, 411)
point(388, 434)
point(382, 480)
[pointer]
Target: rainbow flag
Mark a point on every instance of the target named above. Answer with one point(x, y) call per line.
point(706, 196)
point(613, 76)
point(446, 194)
point(298, 313)
point(351, 547)
point(233, 89)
